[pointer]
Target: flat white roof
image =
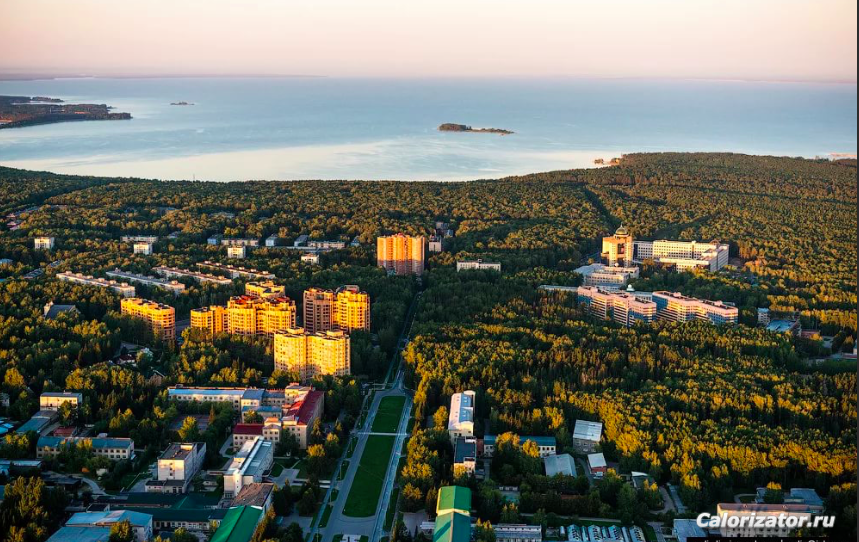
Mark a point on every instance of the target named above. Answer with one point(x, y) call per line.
point(586, 430)
point(596, 460)
point(461, 409)
point(559, 464)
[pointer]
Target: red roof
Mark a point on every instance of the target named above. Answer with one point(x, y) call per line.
point(248, 429)
point(65, 431)
point(304, 409)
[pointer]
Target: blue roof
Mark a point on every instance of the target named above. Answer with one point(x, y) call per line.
point(115, 516)
point(213, 391)
point(780, 326)
point(464, 448)
point(262, 409)
point(33, 424)
point(81, 534)
point(538, 440)
point(56, 442)
point(253, 394)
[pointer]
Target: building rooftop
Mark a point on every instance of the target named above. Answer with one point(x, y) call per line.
point(452, 527)
point(55, 442)
point(81, 534)
point(538, 440)
point(63, 394)
point(464, 449)
point(559, 464)
point(756, 507)
point(781, 326)
point(254, 495)
point(180, 450)
point(586, 430)
point(248, 429)
point(461, 409)
point(453, 498)
point(686, 528)
point(301, 411)
point(596, 460)
point(238, 525)
point(109, 518)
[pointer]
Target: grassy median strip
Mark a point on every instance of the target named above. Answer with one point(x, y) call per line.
point(364, 493)
point(388, 416)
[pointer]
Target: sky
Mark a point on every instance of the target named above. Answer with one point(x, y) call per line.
point(723, 39)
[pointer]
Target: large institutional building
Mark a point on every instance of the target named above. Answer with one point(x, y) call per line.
point(605, 276)
point(295, 407)
point(622, 307)
point(683, 255)
point(161, 318)
point(312, 354)
point(346, 309)
point(622, 250)
point(247, 315)
point(177, 466)
point(460, 422)
point(401, 254)
point(618, 249)
point(679, 308)
point(626, 307)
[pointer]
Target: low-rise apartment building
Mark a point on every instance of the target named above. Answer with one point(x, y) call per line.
point(43, 243)
point(142, 248)
point(235, 272)
point(111, 448)
point(139, 239)
point(122, 288)
point(606, 276)
point(468, 265)
point(237, 252)
point(170, 285)
point(177, 273)
point(545, 445)
point(586, 436)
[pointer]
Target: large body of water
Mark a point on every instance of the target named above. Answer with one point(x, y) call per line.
point(328, 128)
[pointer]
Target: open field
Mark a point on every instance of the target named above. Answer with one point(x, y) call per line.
point(388, 417)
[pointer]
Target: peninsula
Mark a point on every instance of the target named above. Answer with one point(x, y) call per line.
point(451, 127)
point(19, 111)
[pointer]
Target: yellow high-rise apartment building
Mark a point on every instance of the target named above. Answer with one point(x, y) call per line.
point(312, 354)
point(617, 249)
point(347, 309)
point(402, 254)
point(247, 315)
point(161, 318)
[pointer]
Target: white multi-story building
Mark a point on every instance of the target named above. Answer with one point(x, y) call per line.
point(52, 400)
point(237, 252)
point(177, 466)
point(586, 436)
point(606, 276)
point(122, 288)
point(139, 239)
point(43, 243)
point(143, 248)
point(460, 422)
point(237, 242)
point(171, 285)
point(175, 272)
point(466, 265)
point(248, 465)
point(624, 308)
point(683, 255)
point(311, 258)
point(237, 272)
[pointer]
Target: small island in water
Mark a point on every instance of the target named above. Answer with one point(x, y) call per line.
point(451, 127)
point(18, 111)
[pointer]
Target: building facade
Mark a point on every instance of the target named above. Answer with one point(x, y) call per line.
point(111, 448)
point(401, 254)
point(122, 288)
point(684, 255)
point(43, 243)
point(467, 265)
point(545, 445)
point(265, 289)
point(603, 276)
point(239, 252)
point(247, 315)
point(346, 309)
point(177, 273)
point(675, 307)
point(52, 400)
point(177, 466)
point(161, 318)
point(170, 285)
point(248, 465)
point(622, 307)
point(312, 354)
point(586, 436)
point(142, 247)
point(618, 249)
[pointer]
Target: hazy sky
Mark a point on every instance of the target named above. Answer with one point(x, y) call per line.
point(757, 39)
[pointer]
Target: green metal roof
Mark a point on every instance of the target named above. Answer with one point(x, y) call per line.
point(453, 498)
point(238, 525)
point(452, 527)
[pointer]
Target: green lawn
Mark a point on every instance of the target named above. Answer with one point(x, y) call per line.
point(367, 486)
point(388, 416)
point(276, 469)
point(392, 506)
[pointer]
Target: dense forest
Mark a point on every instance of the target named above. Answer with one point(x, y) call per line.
point(714, 410)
